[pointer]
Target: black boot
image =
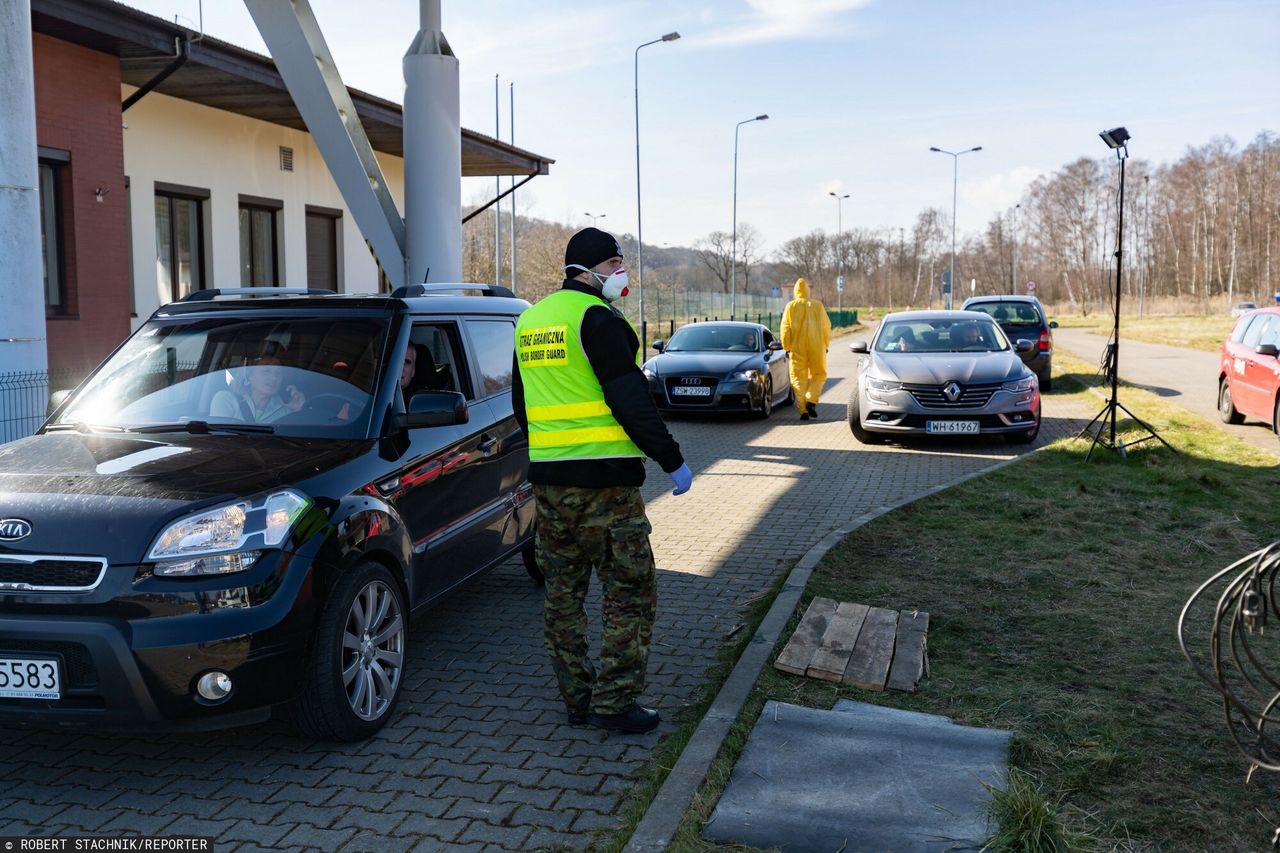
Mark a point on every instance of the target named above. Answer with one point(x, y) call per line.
point(813, 410)
point(635, 720)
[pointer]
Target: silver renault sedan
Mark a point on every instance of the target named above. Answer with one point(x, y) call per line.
point(943, 373)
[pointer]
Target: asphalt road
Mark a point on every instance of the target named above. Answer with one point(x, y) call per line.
point(1184, 377)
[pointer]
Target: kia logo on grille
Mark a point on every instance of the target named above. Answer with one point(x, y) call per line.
point(690, 380)
point(13, 529)
point(952, 391)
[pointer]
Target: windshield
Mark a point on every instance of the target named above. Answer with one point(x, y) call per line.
point(1009, 313)
point(707, 337)
point(295, 376)
point(925, 336)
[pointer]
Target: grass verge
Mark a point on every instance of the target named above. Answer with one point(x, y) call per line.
point(1202, 332)
point(1053, 589)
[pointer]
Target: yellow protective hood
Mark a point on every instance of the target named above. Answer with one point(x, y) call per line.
point(802, 289)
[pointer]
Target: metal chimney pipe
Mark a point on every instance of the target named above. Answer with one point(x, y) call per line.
point(432, 154)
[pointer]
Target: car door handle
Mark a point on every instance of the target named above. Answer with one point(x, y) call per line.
point(487, 443)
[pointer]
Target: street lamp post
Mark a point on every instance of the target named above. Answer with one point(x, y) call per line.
point(733, 252)
point(1013, 252)
point(955, 182)
point(595, 217)
point(839, 250)
point(672, 36)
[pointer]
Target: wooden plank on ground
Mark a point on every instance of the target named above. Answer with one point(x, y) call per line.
point(909, 651)
point(831, 659)
point(869, 665)
point(798, 652)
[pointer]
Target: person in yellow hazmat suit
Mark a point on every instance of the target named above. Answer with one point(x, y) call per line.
point(806, 333)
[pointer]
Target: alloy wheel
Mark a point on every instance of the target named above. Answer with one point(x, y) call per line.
point(373, 650)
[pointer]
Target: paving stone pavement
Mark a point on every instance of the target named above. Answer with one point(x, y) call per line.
point(479, 756)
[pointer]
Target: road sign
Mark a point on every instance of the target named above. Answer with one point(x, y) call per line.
point(1031, 287)
point(839, 284)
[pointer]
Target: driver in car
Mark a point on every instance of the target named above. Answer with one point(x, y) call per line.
point(258, 397)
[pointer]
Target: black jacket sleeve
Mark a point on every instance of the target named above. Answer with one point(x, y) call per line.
point(611, 346)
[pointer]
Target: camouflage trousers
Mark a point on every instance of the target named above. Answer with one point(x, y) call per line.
point(606, 529)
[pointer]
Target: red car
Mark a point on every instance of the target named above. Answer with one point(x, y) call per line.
point(1249, 372)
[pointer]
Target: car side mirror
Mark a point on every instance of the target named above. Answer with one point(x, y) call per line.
point(1266, 349)
point(659, 344)
point(773, 346)
point(434, 408)
point(859, 346)
point(1024, 345)
point(1053, 324)
point(56, 399)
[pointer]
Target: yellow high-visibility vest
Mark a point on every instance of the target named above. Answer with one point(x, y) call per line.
point(568, 416)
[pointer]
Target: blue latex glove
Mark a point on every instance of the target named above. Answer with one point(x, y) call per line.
point(683, 478)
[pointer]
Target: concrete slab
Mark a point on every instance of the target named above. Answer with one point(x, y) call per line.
point(860, 777)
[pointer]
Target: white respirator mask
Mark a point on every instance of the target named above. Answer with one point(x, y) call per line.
point(611, 286)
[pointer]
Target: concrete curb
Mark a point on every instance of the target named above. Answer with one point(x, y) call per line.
point(662, 819)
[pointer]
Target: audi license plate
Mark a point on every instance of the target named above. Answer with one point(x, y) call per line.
point(25, 678)
point(691, 391)
point(951, 426)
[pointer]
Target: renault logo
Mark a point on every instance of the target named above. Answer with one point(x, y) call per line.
point(13, 529)
point(952, 391)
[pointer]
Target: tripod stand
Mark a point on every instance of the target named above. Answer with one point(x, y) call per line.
point(1116, 139)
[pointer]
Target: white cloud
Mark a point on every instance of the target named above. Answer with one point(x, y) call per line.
point(1001, 191)
point(782, 20)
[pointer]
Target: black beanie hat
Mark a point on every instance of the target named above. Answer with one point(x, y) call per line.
point(589, 247)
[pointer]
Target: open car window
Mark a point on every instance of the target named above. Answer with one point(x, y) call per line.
point(303, 376)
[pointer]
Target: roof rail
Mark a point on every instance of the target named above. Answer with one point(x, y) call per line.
point(253, 292)
point(445, 289)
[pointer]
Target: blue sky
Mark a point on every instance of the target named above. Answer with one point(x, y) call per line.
point(856, 90)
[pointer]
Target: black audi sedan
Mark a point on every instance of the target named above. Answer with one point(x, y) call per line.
point(243, 506)
point(719, 367)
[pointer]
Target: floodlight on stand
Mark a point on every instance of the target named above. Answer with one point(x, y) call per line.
point(1116, 137)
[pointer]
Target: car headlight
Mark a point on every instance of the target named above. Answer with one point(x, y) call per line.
point(649, 373)
point(745, 375)
point(881, 385)
point(228, 538)
point(1020, 385)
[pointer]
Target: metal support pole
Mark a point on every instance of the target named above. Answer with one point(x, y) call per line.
point(733, 237)
point(511, 128)
point(1146, 246)
point(955, 184)
point(23, 348)
point(497, 184)
point(733, 252)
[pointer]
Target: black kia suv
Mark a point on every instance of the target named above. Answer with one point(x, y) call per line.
point(244, 505)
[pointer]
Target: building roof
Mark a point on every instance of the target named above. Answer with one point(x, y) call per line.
point(220, 75)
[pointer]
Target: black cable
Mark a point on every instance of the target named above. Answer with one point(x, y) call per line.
point(1235, 666)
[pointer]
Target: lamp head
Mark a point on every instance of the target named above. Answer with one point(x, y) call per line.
point(976, 148)
point(1116, 137)
point(671, 37)
point(939, 150)
point(762, 117)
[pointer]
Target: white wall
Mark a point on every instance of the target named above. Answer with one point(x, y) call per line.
point(179, 142)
